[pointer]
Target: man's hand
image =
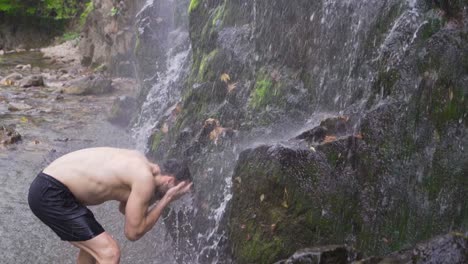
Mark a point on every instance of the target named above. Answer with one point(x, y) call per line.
point(177, 191)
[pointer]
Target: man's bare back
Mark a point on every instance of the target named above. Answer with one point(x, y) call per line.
point(96, 175)
point(58, 196)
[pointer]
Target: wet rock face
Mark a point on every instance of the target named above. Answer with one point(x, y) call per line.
point(446, 249)
point(284, 197)
point(343, 187)
point(389, 177)
point(159, 32)
point(107, 38)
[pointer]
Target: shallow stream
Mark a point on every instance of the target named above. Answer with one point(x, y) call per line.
point(52, 124)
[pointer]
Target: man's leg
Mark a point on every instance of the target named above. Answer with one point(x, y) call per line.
point(85, 258)
point(103, 248)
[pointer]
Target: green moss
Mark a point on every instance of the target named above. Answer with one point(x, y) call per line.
point(449, 104)
point(218, 15)
point(260, 249)
point(262, 93)
point(156, 141)
point(431, 27)
point(193, 5)
point(204, 73)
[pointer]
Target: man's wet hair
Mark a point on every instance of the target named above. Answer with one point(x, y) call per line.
point(176, 168)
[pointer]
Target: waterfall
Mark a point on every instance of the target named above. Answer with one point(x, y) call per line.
point(166, 84)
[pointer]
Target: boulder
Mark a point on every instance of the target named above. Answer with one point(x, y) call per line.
point(18, 106)
point(122, 111)
point(8, 135)
point(446, 249)
point(89, 85)
point(33, 80)
point(11, 79)
point(334, 254)
point(23, 67)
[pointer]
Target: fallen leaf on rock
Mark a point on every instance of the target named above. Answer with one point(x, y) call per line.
point(225, 77)
point(329, 139)
point(231, 87)
point(23, 119)
point(165, 128)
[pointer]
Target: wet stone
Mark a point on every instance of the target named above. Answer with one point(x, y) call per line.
point(33, 80)
point(18, 106)
point(122, 110)
point(8, 135)
point(89, 85)
point(334, 254)
point(11, 79)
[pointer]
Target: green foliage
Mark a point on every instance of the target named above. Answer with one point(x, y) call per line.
point(88, 9)
point(58, 9)
point(193, 5)
point(70, 36)
point(114, 11)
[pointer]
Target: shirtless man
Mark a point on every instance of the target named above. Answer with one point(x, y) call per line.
point(58, 196)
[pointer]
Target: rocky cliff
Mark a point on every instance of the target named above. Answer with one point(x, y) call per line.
point(350, 119)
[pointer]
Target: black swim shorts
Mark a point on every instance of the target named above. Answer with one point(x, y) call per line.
point(53, 203)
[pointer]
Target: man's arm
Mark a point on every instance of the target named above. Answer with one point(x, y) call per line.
point(138, 219)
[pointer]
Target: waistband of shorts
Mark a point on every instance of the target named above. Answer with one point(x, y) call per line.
point(53, 180)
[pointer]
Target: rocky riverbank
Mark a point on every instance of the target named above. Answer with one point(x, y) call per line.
point(51, 105)
point(49, 89)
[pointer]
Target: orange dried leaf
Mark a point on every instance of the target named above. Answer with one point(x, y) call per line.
point(225, 77)
point(329, 139)
point(231, 87)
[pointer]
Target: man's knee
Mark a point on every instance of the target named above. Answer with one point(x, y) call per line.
point(110, 253)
